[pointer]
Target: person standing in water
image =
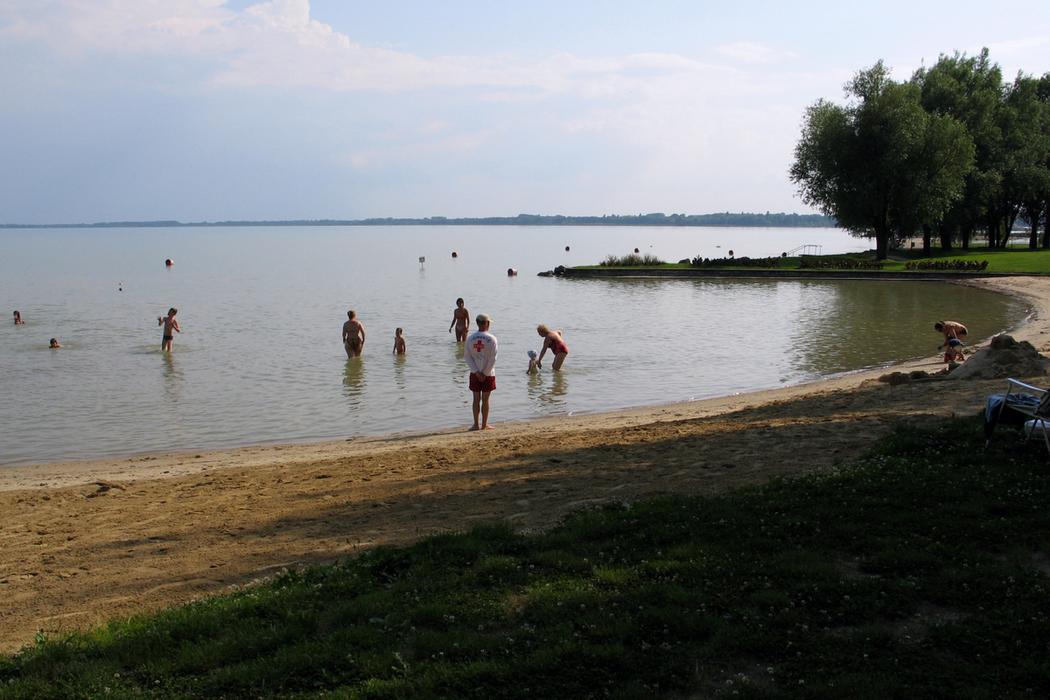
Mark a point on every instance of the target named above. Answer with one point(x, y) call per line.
point(552, 341)
point(170, 326)
point(353, 335)
point(399, 342)
point(461, 320)
point(481, 359)
point(18, 319)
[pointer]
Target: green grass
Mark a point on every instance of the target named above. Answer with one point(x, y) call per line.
point(1011, 261)
point(921, 570)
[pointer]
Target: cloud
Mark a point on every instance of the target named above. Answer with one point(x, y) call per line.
point(277, 44)
point(753, 53)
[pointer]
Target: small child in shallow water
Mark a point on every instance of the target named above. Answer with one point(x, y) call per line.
point(399, 342)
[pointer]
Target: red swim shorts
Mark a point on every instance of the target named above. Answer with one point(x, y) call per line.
point(486, 384)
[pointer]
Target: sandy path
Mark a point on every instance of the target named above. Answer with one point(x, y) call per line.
point(86, 541)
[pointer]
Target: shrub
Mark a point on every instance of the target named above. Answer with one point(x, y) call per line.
point(947, 265)
point(734, 262)
point(631, 260)
point(829, 263)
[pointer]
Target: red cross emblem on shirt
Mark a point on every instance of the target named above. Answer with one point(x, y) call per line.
point(479, 346)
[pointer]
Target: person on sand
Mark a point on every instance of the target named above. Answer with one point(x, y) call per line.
point(54, 344)
point(18, 319)
point(552, 341)
point(170, 326)
point(461, 320)
point(481, 359)
point(399, 342)
point(950, 329)
point(353, 335)
point(953, 331)
point(953, 352)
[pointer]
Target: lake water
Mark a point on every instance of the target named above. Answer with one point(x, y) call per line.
point(261, 309)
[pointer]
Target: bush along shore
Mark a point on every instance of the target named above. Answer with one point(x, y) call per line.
point(919, 570)
point(980, 262)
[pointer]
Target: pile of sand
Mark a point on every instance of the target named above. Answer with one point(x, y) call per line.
point(1004, 357)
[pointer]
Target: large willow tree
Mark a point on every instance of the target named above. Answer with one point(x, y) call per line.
point(881, 165)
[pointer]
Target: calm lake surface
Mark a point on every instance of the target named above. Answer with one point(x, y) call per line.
point(260, 357)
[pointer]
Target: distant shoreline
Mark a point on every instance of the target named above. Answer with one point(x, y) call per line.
point(727, 219)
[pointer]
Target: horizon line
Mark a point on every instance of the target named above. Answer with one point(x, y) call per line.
point(653, 218)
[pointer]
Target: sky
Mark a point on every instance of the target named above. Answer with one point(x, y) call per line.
point(210, 110)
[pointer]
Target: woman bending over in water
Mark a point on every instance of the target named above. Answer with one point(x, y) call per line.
point(552, 341)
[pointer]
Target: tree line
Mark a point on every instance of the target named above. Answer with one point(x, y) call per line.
point(953, 152)
point(769, 219)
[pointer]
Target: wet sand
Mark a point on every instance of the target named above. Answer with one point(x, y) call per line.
point(85, 541)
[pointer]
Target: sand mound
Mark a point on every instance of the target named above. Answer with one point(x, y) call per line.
point(1004, 357)
point(897, 378)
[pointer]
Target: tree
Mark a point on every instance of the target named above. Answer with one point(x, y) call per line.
point(968, 88)
point(881, 164)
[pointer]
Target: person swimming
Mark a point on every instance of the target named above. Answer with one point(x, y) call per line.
point(54, 345)
point(18, 319)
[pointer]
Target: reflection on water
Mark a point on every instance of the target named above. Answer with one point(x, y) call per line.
point(548, 389)
point(354, 381)
point(172, 377)
point(399, 372)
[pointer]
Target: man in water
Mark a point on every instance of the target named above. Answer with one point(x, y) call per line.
point(170, 326)
point(461, 320)
point(353, 335)
point(481, 359)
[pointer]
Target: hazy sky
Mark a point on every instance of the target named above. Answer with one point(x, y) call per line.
point(210, 110)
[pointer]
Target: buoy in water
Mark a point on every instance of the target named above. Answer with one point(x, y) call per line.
point(168, 262)
point(455, 254)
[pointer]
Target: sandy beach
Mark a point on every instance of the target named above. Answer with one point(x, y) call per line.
point(85, 541)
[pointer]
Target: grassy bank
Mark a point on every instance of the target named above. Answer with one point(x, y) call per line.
point(1018, 260)
point(921, 570)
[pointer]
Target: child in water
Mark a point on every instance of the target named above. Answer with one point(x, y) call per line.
point(54, 344)
point(399, 342)
point(534, 363)
point(18, 319)
point(171, 326)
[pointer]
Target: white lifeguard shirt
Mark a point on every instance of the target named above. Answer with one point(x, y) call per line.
point(481, 353)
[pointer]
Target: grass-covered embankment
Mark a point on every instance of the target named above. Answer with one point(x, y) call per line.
point(1019, 260)
point(920, 570)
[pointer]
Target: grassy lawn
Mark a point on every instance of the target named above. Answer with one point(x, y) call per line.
point(1012, 260)
point(921, 570)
